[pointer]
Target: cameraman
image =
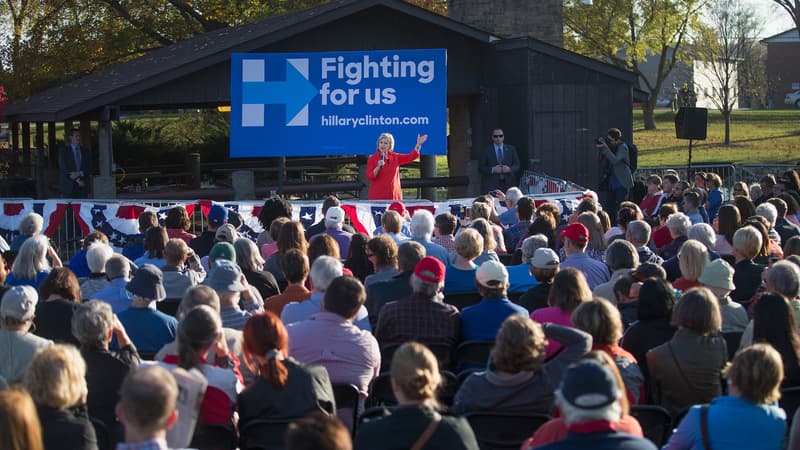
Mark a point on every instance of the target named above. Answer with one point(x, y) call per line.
point(615, 163)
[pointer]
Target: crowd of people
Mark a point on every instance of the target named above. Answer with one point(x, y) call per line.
point(689, 302)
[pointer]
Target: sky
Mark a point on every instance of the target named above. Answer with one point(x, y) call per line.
point(775, 19)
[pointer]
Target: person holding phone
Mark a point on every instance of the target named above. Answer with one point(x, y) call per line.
point(383, 168)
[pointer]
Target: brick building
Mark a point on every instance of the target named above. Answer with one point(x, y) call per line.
point(783, 66)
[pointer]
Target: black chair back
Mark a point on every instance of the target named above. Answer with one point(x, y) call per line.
point(507, 259)
point(496, 430)
point(732, 340)
point(348, 396)
point(461, 301)
point(790, 401)
point(447, 390)
point(441, 350)
point(380, 391)
point(656, 422)
point(515, 296)
point(169, 306)
point(213, 437)
point(263, 434)
point(472, 355)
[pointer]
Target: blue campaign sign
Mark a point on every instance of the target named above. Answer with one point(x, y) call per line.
point(337, 103)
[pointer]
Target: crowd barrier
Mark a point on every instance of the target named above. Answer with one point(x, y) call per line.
point(66, 221)
point(730, 173)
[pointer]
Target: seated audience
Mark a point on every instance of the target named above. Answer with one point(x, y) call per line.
point(291, 237)
point(329, 338)
point(97, 255)
point(510, 199)
point(146, 408)
point(334, 219)
point(318, 431)
point(747, 242)
point(421, 231)
point(481, 321)
point(692, 204)
point(678, 225)
point(284, 388)
point(117, 270)
point(319, 227)
point(602, 321)
point(177, 277)
point(481, 210)
point(18, 344)
point(391, 223)
point(295, 267)
point(78, 263)
point(134, 245)
point(589, 400)
point(460, 276)
point(415, 379)
point(782, 225)
point(686, 370)
point(56, 380)
point(357, 261)
point(30, 225)
point(59, 294)
point(155, 240)
point(576, 238)
point(248, 258)
point(638, 234)
point(20, 428)
point(148, 328)
point(542, 266)
point(556, 428)
point(30, 266)
point(443, 228)
point(270, 248)
point(692, 259)
point(517, 379)
point(422, 316)
point(653, 325)
point(519, 276)
point(718, 278)
point(726, 223)
point(227, 280)
point(489, 252)
point(273, 208)
point(515, 233)
point(652, 200)
point(323, 271)
point(93, 324)
point(773, 323)
point(178, 223)
point(715, 196)
point(382, 253)
point(622, 258)
point(748, 417)
point(201, 245)
point(660, 234)
point(200, 332)
point(568, 291)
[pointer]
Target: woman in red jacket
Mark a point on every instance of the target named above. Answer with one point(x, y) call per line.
point(383, 168)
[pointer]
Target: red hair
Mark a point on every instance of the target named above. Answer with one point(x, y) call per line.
point(263, 333)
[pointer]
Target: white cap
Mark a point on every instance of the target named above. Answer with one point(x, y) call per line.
point(492, 271)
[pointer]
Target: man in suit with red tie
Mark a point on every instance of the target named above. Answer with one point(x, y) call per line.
point(75, 166)
point(499, 164)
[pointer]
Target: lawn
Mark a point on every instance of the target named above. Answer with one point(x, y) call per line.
point(757, 137)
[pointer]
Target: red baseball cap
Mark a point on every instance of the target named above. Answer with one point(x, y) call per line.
point(430, 269)
point(576, 232)
point(398, 207)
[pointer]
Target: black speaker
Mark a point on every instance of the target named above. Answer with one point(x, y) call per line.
point(691, 123)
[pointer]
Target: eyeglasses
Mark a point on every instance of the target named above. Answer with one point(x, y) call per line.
point(497, 136)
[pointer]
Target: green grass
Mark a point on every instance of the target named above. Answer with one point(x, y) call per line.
point(757, 137)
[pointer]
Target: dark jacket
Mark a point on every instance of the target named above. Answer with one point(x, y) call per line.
point(105, 371)
point(536, 297)
point(307, 389)
point(747, 279)
point(66, 429)
point(692, 376)
point(786, 229)
point(54, 321)
point(263, 281)
point(401, 430)
point(202, 244)
point(379, 294)
point(644, 335)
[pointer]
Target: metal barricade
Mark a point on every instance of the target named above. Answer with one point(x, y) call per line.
point(751, 173)
point(726, 171)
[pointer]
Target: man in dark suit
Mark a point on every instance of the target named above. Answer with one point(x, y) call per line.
point(499, 164)
point(75, 166)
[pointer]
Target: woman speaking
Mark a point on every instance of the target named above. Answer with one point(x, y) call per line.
point(383, 168)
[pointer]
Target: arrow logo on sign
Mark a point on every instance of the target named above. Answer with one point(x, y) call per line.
point(296, 92)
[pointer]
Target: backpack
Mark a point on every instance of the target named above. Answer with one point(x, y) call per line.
point(633, 156)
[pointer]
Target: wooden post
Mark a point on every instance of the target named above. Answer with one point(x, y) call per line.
point(52, 146)
point(26, 146)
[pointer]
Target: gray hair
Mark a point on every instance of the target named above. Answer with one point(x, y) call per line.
point(422, 224)
point(91, 323)
point(513, 195)
point(196, 296)
point(531, 244)
point(784, 278)
point(32, 258)
point(324, 270)
point(425, 288)
point(31, 224)
point(639, 231)
point(679, 223)
point(247, 255)
point(118, 267)
point(97, 255)
point(621, 254)
point(768, 211)
point(573, 415)
point(705, 234)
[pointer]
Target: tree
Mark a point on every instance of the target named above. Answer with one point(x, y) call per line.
point(626, 32)
point(720, 48)
point(793, 8)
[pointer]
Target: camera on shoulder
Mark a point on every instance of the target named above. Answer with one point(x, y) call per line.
point(600, 141)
